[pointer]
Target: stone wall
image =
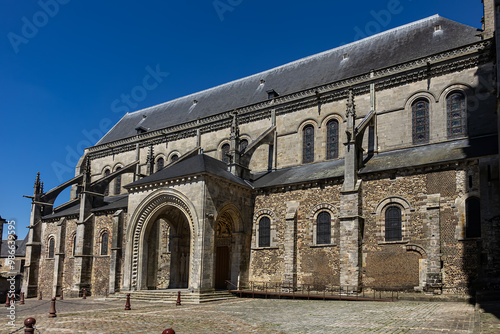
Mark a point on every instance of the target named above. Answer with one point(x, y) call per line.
point(398, 263)
point(46, 276)
point(100, 271)
point(69, 258)
point(316, 264)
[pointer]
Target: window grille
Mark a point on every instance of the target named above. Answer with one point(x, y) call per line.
point(52, 246)
point(104, 243)
point(224, 152)
point(393, 224)
point(106, 191)
point(74, 245)
point(323, 228)
point(118, 183)
point(308, 144)
point(159, 164)
point(332, 137)
point(264, 232)
point(243, 145)
point(420, 111)
point(457, 115)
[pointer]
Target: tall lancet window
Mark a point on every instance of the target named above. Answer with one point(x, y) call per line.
point(457, 115)
point(308, 144)
point(332, 139)
point(118, 183)
point(224, 153)
point(420, 115)
point(159, 164)
point(106, 191)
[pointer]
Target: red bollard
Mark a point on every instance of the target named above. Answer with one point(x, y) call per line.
point(84, 294)
point(21, 302)
point(61, 297)
point(127, 304)
point(29, 323)
point(52, 312)
point(178, 299)
point(168, 331)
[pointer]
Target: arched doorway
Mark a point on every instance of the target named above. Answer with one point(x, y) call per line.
point(223, 238)
point(166, 251)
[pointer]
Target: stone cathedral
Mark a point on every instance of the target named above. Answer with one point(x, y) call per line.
point(374, 164)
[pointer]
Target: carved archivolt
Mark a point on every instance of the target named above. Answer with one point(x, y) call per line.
point(151, 208)
point(322, 206)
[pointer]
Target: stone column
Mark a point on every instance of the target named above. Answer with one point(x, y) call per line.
point(116, 247)
point(434, 281)
point(237, 242)
point(290, 256)
point(350, 236)
point(79, 265)
point(59, 256)
point(350, 205)
point(34, 245)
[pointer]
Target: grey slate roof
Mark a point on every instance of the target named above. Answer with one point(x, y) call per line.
point(110, 203)
point(197, 164)
point(395, 46)
point(435, 153)
point(409, 157)
point(20, 247)
point(305, 173)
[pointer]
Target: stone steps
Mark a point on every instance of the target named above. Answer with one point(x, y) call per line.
point(170, 296)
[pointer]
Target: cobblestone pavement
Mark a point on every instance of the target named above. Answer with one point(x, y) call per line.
point(487, 318)
point(246, 316)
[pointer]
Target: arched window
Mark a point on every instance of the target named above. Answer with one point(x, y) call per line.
point(118, 183)
point(104, 243)
point(308, 144)
point(457, 115)
point(473, 218)
point(106, 173)
point(224, 153)
point(265, 232)
point(243, 145)
point(323, 228)
point(393, 227)
point(159, 164)
point(420, 114)
point(52, 247)
point(73, 251)
point(174, 158)
point(332, 139)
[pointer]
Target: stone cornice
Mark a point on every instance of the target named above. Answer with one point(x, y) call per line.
point(184, 180)
point(449, 61)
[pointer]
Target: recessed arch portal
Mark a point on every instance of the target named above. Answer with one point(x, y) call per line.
point(161, 210)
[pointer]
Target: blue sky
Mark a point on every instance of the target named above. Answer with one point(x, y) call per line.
point(67, 66)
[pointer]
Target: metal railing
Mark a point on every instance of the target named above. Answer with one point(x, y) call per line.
point(313, 291)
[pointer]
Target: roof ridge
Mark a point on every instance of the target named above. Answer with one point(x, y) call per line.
point(289, 64)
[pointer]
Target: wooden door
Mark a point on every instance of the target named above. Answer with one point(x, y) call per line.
point(221, 267)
